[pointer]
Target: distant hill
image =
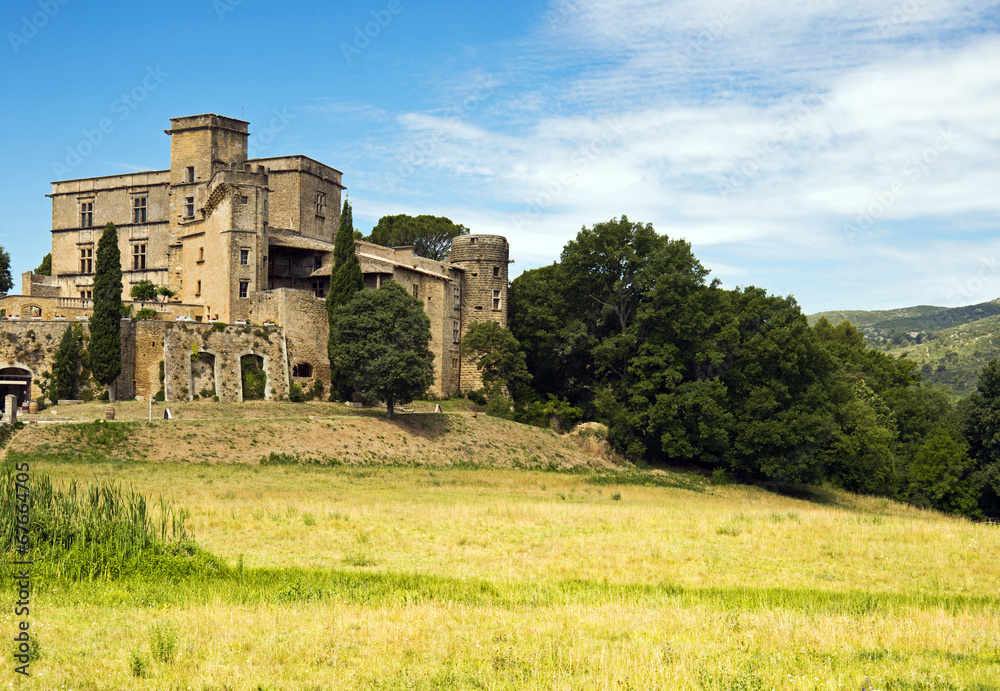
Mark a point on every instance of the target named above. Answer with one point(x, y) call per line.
point(951, 345)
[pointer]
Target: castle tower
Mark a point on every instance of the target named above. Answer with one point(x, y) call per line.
point(484, 260)
point(200, 145)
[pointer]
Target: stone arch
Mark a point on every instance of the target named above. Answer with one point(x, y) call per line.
point(265, 366)
point(15, 379)
point(302, 369)
point(29, 310)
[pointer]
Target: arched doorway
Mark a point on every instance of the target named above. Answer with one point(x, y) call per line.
point(16, 381)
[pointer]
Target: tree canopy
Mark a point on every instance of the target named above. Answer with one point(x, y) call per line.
point(627, 328)
point(6, 282)
point(105, 324)
point(498, 356)
point(379, 342)
point(430, 236)
point(45, 268)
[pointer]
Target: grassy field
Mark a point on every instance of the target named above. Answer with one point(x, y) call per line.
point(370, 575)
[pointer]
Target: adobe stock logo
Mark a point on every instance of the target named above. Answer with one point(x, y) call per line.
point(364, 36)
point(30, 26)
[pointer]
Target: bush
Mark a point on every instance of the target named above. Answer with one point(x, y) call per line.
point(317, 389)
point(296, 394)
point(163, 643)
point(146, 314)
point(137, 664)
point(477, 396)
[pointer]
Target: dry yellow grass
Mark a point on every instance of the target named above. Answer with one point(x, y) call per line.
point(537, 580)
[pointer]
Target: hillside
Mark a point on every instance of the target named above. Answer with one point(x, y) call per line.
point(308, 433)
point(951, 345)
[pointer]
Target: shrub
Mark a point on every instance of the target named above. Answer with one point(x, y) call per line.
point(146, 314)
point(317, 389)
point(296, 394)
point(477, 396)
point(163, 643)
point(137, 664)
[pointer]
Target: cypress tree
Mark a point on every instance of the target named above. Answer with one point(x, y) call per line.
point(105, 324)
point(345, 281)
point(64, 369)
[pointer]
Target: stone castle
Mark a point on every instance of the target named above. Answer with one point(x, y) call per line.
point(247, 246)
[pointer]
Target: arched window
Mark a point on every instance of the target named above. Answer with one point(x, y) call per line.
point(303, 369)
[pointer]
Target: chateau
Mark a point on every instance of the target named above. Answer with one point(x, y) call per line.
point(247, 246)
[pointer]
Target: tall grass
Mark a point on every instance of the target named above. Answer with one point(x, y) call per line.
point(99, 530)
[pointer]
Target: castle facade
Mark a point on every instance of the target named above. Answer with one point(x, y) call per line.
point(245, 243)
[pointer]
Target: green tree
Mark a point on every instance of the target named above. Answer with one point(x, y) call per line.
point(938, 476)
point(981, 422)
point(66, 366)
point(105, 324)
point(45, 268)
point(165, 292)
point(380, 342)
point(6, 282)
point(498, 356)
point(143, 291)
point(345, 280)
point(430, 236)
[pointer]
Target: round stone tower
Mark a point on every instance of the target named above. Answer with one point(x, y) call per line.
point(483, 260)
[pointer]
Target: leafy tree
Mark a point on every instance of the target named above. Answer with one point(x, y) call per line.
point(143, 291)
point(430, 236)
point(938, 476)
point(345, 280)
point(6, 282)
point(498, 356)
point(105, 324)
point(380, 342)
point(981, 413)
point(66, 367)
point(45, 268)
point(165, 292)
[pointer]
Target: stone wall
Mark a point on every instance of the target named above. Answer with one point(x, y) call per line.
point(186, 347)
point(306, 331)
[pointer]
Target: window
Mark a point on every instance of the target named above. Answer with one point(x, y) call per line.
point(244, 288)
point(454, 363)
point(416, 290)
point(244, 257)
point(243, 200)
point(189, 207)
point(317, 263)
point(320, 203)
point(288, 266)
point(318, 289)
point(197, 290)
point(87, 214)
point(86, 260)
point(496, 300)
point(456, 334)
point(190, 173)
point(458, 298)
point(139, 257)
point(201, 254)
point(496, 272)
point(138, 210)
point(86, 294)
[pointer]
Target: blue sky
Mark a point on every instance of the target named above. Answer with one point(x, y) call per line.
point(846, 153)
